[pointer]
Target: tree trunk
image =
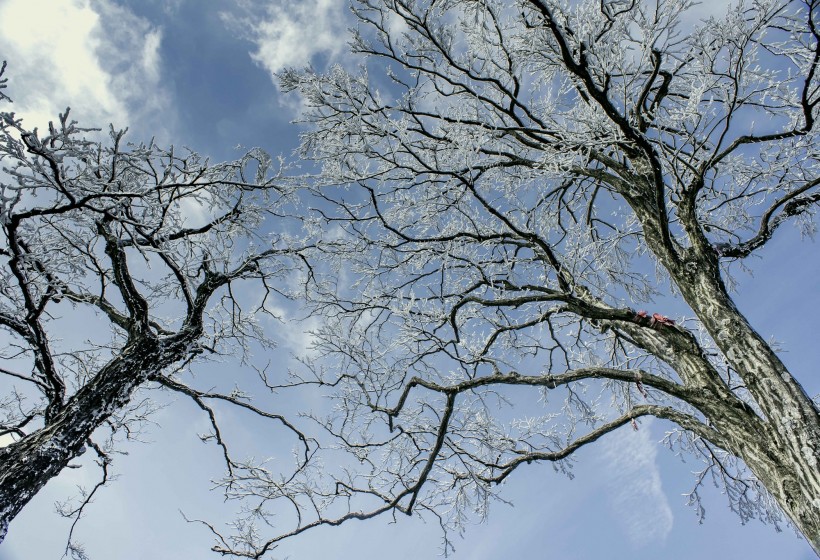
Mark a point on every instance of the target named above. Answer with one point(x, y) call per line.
point(786, 456)
point(794, 485)
point(28, 464)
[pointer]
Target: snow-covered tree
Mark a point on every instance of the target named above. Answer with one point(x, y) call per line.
point(121, 265)
point(504, 185)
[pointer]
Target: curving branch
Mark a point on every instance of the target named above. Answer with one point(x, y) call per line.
point(199, 397)
point(788, 206)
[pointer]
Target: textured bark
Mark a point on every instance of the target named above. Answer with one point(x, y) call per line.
point(27, 465)
point(785, 456)
point(780, 443)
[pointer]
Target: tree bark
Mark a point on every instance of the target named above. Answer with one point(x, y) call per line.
point(786, 455)
point(783, 449)
point(28, 464)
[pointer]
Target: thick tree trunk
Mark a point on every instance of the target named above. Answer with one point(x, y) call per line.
point(785, 457)
point(27, 465)
point(785, 454)
point(794, 485)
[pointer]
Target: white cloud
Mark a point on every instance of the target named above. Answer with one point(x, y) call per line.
point(7, 439)
point(705, 10)
point(94, 56)
point(289, 34)
point(297, 335)
point(634, 485)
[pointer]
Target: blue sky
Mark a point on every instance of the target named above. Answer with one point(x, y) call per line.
point(198, 73)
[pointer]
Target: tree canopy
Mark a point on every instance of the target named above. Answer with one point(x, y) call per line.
point(506, 188)
point(121, 267)
point(522, 234)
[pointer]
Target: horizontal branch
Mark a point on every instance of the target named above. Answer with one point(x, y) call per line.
point(549, 381)
point(683, 420)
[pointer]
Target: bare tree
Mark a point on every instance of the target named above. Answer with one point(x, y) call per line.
point(138, 251)
point(505, 184)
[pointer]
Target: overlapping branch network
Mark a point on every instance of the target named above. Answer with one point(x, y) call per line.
point(122, 265)
point(502, 199)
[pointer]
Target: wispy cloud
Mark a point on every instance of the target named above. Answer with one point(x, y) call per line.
point(705, 10)
point(94, 56)
point(290, 34)
point(297, 335)
point(634, 485)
